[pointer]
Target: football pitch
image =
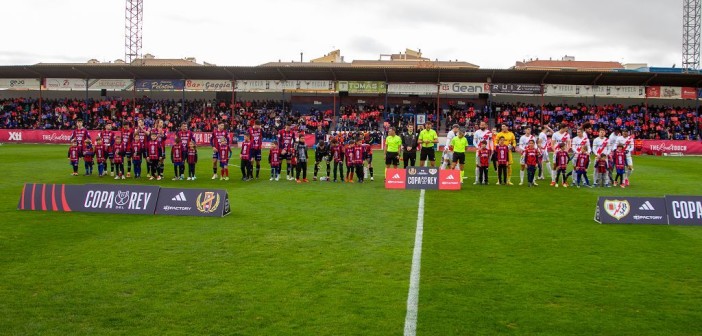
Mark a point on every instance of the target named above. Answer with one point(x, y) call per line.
point(334, 259)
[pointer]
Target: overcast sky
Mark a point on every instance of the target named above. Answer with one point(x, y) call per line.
point(491, 34)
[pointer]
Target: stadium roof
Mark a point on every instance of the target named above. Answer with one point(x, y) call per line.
point(355, 73)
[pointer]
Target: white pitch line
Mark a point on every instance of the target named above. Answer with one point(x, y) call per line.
point(413, 296)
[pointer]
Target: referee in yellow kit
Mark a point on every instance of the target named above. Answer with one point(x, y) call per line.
point(427, 139)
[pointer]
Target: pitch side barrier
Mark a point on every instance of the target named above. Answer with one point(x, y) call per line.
point(124, 199)
point(668, 210)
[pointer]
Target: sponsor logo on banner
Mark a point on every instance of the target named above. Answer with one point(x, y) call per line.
point(160, 84)
point(684, 210)
point(19, 83)
point(422, 178)
point(532, 89)
point(671, 92)
point(208, 85)
point(419, 89)
point(65, 84)
point(449, 179)
point(280, 86)
point(193, 202)
point(561, 90)
point(362, 86)
point(688, 93)
point(396, 179)
point(15, 136)
point(631, 210)
point(685, 147)
point(111, 84)
point(459, 88)
point(616, 208)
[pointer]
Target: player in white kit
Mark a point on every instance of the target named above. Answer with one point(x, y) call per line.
point(448, 154)
point(544, 144)
point(482, 134)
point(558, 138)
point(600, 145)
point(628, 141)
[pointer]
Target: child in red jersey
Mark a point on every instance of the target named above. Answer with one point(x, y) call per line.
point(561, 165)
point(88, 154)
point(502, 156)
point(620, 165)
point(358, 156)
point(154, 154)
point(532, 157)
point(136, 153)
point(601, 171)
point(224, 153)
point(245, 156)
point(178, 159)
point(274, 159)
point(74, 156)
point(484, 155)
point(118, 152)
point(582, 162)
point(337, 155)
point(192, 160)
point(100, 157)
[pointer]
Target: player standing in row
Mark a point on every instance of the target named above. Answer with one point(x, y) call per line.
point(178, 160)
point(502, 155)
point(427, 139)
point(118, 152)
point(162, 137)
point(301, 158)
point(358, 156)
point(143, 132)
point(480, 135)
point(560, 164)
point(219, 136)
point(186, 136)
point(620, 164)
point(511, 142)
point(127, 135)
point(524, 141)
point(108, 140)
point(581, 163)
point(192, 160)
point(322, 153)
point(256, 138)
point(600, 147)
point(224, 153)
point(627, 142)
point(447, 156)
point(409, 147)
point(136, 154)
point(350, 164)
point(544, 144)
point(367, 159)
point(562, 137)
point(286, 143)
point(245, 157)
point(80, 134)
point(337, 154)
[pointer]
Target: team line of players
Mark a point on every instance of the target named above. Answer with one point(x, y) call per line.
point(133, 146)
point(570, 155)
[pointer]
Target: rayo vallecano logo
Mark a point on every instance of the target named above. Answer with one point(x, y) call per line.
point(207, 202)
point(616, 208)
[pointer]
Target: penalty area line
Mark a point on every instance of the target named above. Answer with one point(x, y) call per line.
point(413, 295)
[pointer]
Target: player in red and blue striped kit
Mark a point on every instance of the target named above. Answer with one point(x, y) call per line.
point(137, 155)
point(358, 156)
point(100, 156)
point(73, 156)
point(245, 156)
point(127, 135)
point(108, 140)
point(118, 152)
point(88, 154)
point(286, 143)
point(256, 137)
point(582, 162)
point(219, 136)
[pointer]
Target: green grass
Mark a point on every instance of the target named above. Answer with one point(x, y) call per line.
point(334, 259)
